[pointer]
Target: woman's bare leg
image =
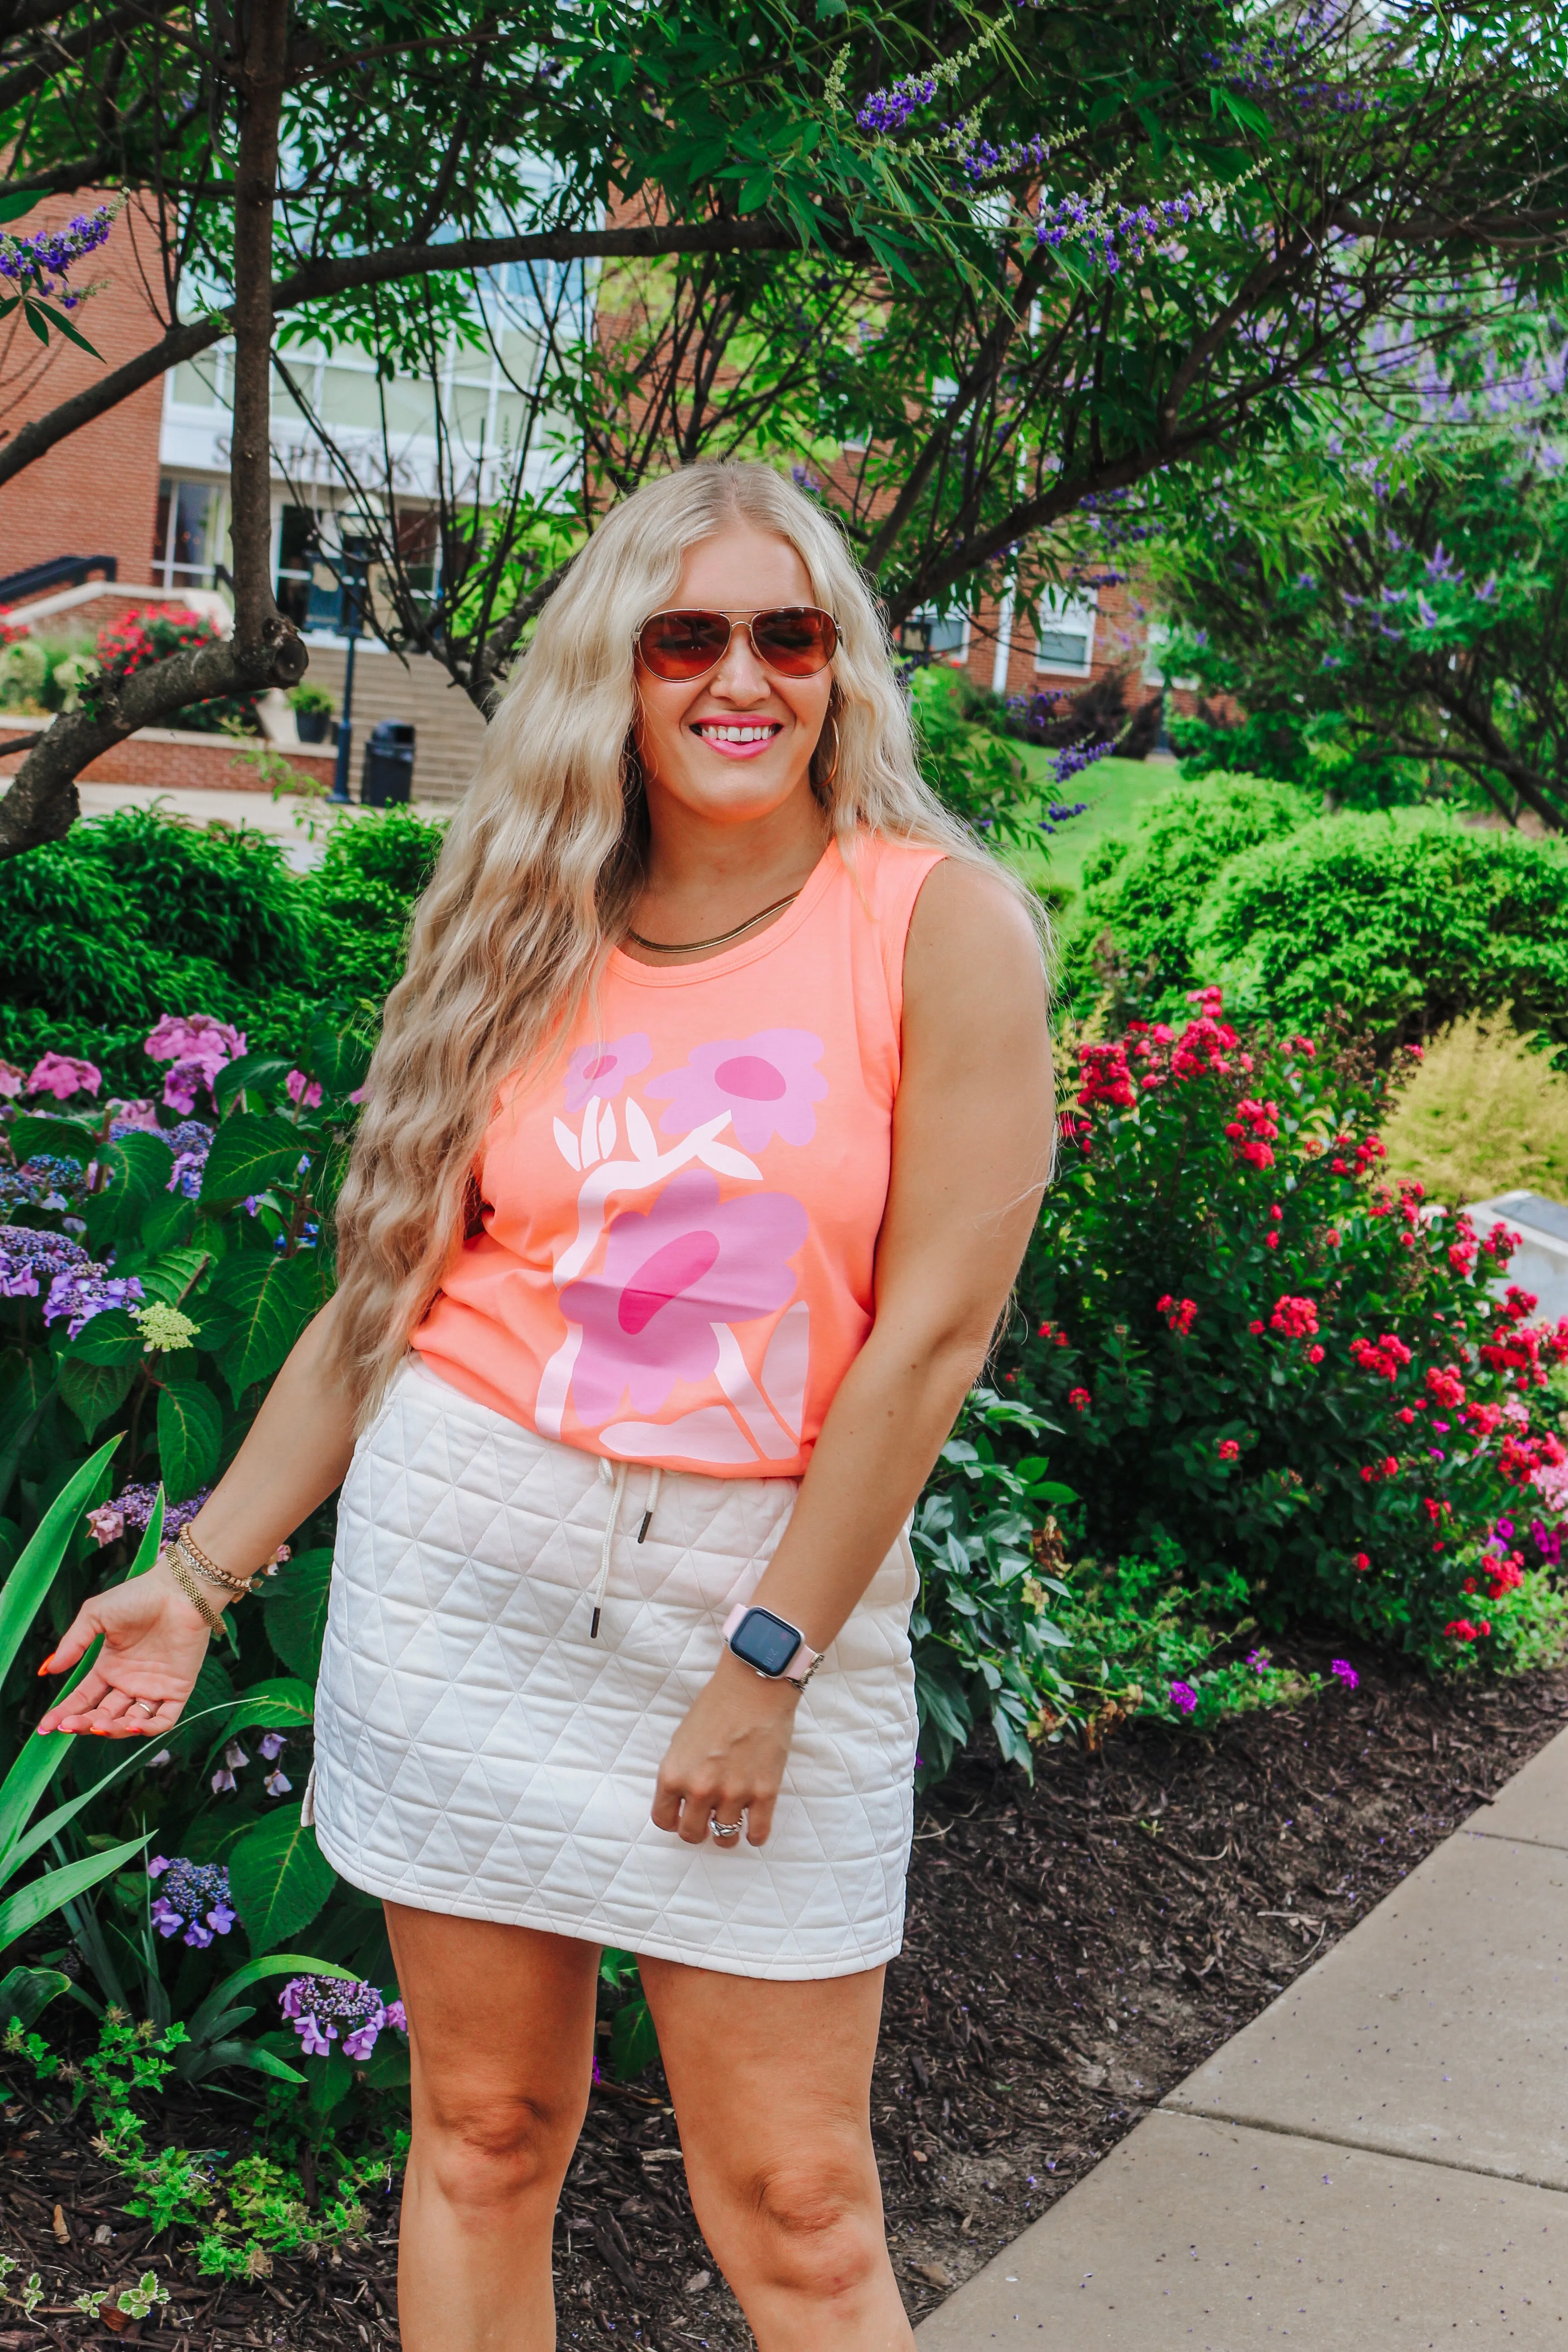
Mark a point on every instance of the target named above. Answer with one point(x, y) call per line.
point(772, 2084)
point(501, 2031)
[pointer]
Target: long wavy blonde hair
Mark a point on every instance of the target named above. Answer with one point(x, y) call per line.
point(542, 866)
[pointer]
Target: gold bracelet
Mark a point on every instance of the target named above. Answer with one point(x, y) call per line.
point(187, 1585)
point(195, 1557)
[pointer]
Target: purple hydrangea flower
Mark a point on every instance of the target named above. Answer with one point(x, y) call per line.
point(1183, 1697)
point(194, 1897)
point(320, 2008)
point(28, 1259)
point(42, 1182)
point(84, 1291)
point(190, 1142)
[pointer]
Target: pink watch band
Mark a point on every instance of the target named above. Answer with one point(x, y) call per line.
point(801, 1667)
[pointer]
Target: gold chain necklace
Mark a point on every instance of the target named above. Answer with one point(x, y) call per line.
point(689, 947)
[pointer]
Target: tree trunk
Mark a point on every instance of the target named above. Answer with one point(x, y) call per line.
point(265, 649)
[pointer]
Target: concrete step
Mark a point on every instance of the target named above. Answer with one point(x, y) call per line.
point(449, 729)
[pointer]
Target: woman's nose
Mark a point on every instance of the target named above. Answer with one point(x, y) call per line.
point(740, 676)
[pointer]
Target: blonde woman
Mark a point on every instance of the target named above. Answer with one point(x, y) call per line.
point(703, 1140)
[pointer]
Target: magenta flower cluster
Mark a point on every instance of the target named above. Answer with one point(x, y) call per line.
point(321, 2009)
point(194, 1897)
point(198, 1048)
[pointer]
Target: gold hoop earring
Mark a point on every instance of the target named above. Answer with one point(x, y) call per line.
point(825, 782)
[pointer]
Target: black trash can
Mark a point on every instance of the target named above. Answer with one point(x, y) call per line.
point(388, 776)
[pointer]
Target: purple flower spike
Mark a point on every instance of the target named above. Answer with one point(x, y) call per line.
point(1345, 1673)
point(1183, 1697)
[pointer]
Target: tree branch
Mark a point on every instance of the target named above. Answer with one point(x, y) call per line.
point(355, 272)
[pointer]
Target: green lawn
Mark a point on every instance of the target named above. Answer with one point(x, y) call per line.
point(1115, 790)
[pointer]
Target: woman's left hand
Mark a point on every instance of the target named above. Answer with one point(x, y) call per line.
point(728, 1758)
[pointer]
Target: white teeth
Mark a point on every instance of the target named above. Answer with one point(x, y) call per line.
point(719, 734)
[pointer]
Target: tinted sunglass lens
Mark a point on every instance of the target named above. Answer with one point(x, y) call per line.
point(798, 642)
point(683, 644)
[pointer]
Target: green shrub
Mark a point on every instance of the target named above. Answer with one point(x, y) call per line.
point(1409, 925)
point(1147, 893)
point(1291, 1379)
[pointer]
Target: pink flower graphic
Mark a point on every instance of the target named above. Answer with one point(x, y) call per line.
point(765, 1082)
point(603, 1070)
point(669, 1275)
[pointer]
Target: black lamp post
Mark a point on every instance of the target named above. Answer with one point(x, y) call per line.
point(353, 575)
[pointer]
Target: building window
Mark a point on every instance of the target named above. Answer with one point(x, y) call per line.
point(1064, 632)
point(296, 564)
point(185, 538)
point(928, 637)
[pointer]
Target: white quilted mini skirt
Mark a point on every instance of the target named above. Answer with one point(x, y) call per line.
point(480, 1750)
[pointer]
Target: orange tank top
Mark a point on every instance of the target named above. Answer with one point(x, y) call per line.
point(680, 1220)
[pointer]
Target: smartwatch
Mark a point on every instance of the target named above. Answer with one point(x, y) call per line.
point(770, 1646)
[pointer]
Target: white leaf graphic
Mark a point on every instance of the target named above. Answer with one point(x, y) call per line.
point(591, 1132)
point(608, 1131)
point(639, 1134)
point(568, 1143)
point(785, 1364)
point(726, 1162)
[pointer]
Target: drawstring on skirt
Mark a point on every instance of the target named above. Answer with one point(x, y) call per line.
point(614, 1476)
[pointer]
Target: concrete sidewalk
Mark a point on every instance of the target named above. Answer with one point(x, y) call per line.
point(1379, 2160)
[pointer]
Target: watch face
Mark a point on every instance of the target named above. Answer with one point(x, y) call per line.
point(764, 1640)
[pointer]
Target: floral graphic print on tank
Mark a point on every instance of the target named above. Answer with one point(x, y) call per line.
point(680, 1217)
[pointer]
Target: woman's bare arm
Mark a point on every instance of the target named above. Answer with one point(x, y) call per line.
point(972, 1147)
point(296, 1452)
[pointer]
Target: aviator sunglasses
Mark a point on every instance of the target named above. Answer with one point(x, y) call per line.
point(797, 640)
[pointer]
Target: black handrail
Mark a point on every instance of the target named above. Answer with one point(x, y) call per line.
point(60, 572)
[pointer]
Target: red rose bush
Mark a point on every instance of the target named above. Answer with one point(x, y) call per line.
point(1279, 1369)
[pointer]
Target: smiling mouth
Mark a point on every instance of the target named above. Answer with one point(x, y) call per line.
point(725, 731)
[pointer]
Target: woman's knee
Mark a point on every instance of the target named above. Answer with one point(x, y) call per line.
point(812, 2224)
point(486, 2150)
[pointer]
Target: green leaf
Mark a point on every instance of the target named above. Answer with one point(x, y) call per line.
point(92, 1391)
point(332, 2079)
point(62, 326)
point(26, 1993)
point(339, 1058)
point(22, 1593)
point(250, 1151)
point(171, 1275)
point(17, 206)
point(251, 1070)
point(280, 1878)
point(34, 1902)
point(190, 1431)
point(295, 1601)
point(110, 1338)
point(279, 1705)
point(263, 1302)
point(634, 2043)
point(33, 1136)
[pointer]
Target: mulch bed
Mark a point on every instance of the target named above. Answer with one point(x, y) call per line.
point(1074, 1949)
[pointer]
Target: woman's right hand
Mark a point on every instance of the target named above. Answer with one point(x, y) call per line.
point(153, 1644)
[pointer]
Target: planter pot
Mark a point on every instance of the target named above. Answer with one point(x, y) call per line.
point(312, 725)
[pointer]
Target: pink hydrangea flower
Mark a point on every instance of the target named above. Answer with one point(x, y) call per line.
point(603, 1070)
point(62, 1076)
point(669, 1276)
point(766, 1082)
point(299, 1089)
point(12, 1080)
point(140, 1115)
point(198, 1046)
point(106, 1525)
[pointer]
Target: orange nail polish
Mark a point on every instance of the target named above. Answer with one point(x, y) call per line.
point(48, 1665)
